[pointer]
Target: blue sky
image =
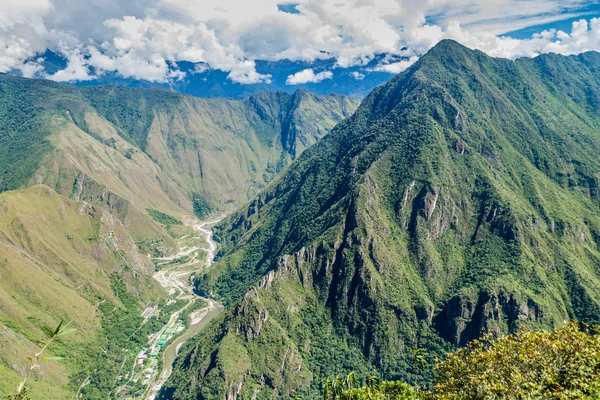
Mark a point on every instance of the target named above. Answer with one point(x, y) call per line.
point(588, 11)
point(289, 8)
point(144, 39)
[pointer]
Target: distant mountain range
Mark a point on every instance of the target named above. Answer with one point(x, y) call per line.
point(203, 81)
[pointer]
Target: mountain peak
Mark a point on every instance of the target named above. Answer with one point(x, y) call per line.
point(450, 50)
point(441, 207)
point(448, 44)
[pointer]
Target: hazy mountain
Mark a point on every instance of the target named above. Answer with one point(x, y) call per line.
point(203, 81)
point(461, 197)
point(154, 147)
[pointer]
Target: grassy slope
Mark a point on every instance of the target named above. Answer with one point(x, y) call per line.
point(156, 146)
point(57, 260)
point(117, 152)
point(228, 150)
point(461, 196)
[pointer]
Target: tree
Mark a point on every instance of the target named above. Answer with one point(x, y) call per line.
point(560, 364)
point(338, 388)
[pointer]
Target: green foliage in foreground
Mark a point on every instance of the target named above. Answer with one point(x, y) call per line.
point(162, 218)
point(53, 334)
point(561, 364)
point(339, 388)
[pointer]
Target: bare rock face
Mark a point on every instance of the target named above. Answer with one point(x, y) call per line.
point(454, 319)
point(90, 191)
point(466, 316)
point(460, 146)
point(460, 121)
point(233, 393)
point(431, 201)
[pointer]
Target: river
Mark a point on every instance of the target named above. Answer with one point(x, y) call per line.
point(175, 280)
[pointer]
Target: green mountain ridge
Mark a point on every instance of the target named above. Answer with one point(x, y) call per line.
point(461, 197)
point(87, 177)
point(224, 150)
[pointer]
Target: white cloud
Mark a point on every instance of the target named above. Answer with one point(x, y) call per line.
point(308, 76)
point(76, 70)
point(201, 68)
point(143, 38)
point(30, 68)
point(22, 32)
point(357, 75)
point(397, 67)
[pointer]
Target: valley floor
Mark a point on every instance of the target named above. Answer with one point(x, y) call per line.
point(153, 364)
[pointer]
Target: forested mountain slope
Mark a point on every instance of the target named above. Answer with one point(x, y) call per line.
point(81, 169)
point(461, 197)
point(154, 147)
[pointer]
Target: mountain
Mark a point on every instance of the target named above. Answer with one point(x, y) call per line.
point(461, 197)
point(58, 261)
point(203, 81)
point(152, 147)
point(86, 175)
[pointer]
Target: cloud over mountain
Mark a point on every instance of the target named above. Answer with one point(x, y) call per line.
point(308, 75)
point(144, 39)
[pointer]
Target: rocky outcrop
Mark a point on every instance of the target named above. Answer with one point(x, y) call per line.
point(88, 190)
point(254, 315)
point(430, 201)
point(467, 315)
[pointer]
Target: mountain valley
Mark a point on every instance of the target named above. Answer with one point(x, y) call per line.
point(221, 249)
point(95, 182)
point(460, 198)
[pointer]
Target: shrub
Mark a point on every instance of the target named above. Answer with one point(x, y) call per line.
point(559, 364)
point(338, 388)
point(163, 218)
point(563, 364)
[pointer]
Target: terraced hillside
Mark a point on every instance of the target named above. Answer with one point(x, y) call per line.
point(461, 197)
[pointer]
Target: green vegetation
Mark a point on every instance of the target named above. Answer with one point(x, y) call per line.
point(460, 198)
point(202, 207)
point(124, 333)
point(560, 364)
point(34, 362)
point(23, 136)
point(131, 111)
point(162, 218)
point(338, 388)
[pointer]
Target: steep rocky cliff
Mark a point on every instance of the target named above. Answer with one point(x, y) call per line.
point(461, 197)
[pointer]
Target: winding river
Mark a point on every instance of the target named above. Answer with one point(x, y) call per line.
point(175, 281)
